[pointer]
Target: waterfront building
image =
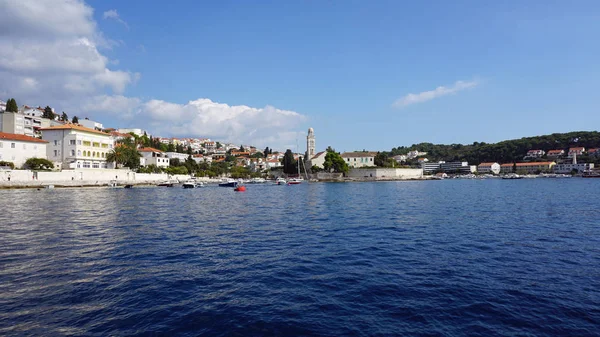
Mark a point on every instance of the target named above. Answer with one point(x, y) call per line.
point(565, 168)
point(91, 124)
point(575, 151)
point(359, 159)
point(455, 167)
point(152, 156)
point(17, 148)
point(430, 167)
point(317, 160)
point(74, 146)
point(556, 153)
point(533, 167)
point(493, 168)
point(594, 152)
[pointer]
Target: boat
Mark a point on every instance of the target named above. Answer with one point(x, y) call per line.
point(280, 181)
point(192, 183)
point(295, 181)
point(591, 174)
point(257, 181)
point(228, 183)
point(166, 183)
point(240, 188)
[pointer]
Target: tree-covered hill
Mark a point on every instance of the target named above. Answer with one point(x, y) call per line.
point(507, 151)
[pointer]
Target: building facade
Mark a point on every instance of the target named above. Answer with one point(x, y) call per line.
point(572, 167)
point(493, 168)
point(17, 149)
point(429, 167)
point(73, 146)
point(24, 124)
point(152, 156)
point(359, 159)
point(533, 167)
point(91, 124)
point(455, 167)
point(575, 151)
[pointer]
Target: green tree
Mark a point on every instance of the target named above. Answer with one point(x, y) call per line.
point(267, 151)
point(11, 105)
point(171, 147)
point(189, 150)
point(48, 113)
point(7, 164)
point(289, 163)
point(219, 145)
point(64, 117)
point(242, 148)
point(75, 120)
point(125, 154)
point(174, 162)
point(38, 164)
point(335, 162)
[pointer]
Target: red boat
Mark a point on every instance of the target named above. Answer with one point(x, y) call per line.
point(240, 189)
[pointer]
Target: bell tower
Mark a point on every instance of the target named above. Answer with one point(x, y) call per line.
point(310, 144)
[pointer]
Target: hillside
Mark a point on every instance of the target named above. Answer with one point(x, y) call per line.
point(506, 151)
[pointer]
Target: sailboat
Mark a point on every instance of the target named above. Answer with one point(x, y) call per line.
point(298, 180)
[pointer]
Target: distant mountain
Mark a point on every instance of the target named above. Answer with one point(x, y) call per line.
point(507, 151)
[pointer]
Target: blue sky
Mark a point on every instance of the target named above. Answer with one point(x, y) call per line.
point(508, 69)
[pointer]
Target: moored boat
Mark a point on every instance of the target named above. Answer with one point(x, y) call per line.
point(295, 181)
point(280, 181)
point(228, 183)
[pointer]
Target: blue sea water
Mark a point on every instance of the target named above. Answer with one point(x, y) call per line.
point(435, 258)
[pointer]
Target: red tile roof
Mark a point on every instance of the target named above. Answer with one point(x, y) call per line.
point(74, 127)
point(577, 149)
point(555, 151)
point(149, 149)
point(486, 164)
point(541, 163)
point(20, 138)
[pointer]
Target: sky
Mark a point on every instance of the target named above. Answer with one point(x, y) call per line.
point(364, 74)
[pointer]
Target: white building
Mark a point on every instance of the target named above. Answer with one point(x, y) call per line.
point(180, 156)
point(91, 124)
point(152, 156)
point(569, 168)
point(456, 166)
point(429, 167)
point(24, 124)
point(535, 154)
point(73, 146)
point(488, 168)
point(400, 158)
point(359, 159)
point(415, 154)
point(317, 160)
point(576, 151)
point(18, 148)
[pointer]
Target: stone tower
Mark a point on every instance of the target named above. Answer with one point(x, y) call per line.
point(310, 144)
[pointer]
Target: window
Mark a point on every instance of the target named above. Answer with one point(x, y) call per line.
point(72, 142)
point(55, 142)
point(1, 145)
point(96, 144)
point(12, 145)
point(96, 165)
point(86, 164)
point(55, 153)
point(78, 142)
point(79, 152)
point(72, 152)
point(86, 143)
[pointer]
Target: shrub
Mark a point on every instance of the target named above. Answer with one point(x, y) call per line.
point(7, 164)
point(38, 164)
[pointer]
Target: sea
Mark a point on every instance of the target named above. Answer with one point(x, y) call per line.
point(413, 258)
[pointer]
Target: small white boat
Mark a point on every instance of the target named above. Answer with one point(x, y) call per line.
point(295, 181)
point(280, 181)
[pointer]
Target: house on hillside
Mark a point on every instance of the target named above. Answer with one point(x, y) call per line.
point(74, 146)
point(152, 156)
point(576, 151)
point(556, 153)
point(534, 154)
point(17, 149)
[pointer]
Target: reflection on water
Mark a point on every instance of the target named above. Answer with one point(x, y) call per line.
point(399, 258)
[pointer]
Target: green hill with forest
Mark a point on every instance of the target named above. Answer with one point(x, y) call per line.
point(507, 151)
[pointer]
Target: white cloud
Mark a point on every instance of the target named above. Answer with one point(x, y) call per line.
point(51, 53)
point(432, 94)
point(114, 15)
point(235, 123)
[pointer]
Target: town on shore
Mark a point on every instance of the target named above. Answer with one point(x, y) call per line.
point(37, 145)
